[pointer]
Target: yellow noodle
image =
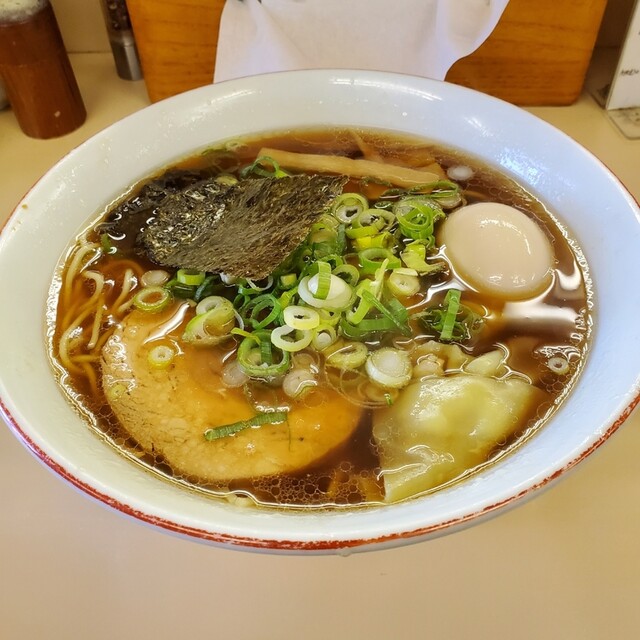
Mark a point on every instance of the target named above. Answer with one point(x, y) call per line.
point(80, 307)
point(98, 278)
point(73, 308)
point(85, 357)
point(137, 269)
point(104, 336)
point(77, 265)
point(127, 285)
point(64, 345)
point(92, 378)
point(125, 306)
point(93, 304)
point(95, 329)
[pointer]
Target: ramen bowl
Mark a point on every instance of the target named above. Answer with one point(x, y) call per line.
point(586, 198)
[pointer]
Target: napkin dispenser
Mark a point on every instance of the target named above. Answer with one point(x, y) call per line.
point(538, 54)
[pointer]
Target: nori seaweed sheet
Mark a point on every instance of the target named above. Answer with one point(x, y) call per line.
point(129, 217)
point(243, 230)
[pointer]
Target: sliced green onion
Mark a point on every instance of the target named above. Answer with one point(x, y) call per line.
point(348, 272)
point(190, 277)
point(257, 168)
point(414, 258)
point(288, 280)
point(213, 325)
point(245, 334)
point(179, 289)
point(447, 193)
point(417, 216)
point(402, 284)
point(227, 279)
point(266, 352)
point(252, 287)
point(330, 316)
point(322, 250)
point(438, 318)
point(352, 355)
point(322, 236)
point(252, 310)
point(324, 335)
point(161, 356)
point(323, 279)
point(384, 239)
point(452, 303)
point(154, 278)
point(302, 338)
point(338, 297)
point(302, 318)
point(298, 382)
point(335, 260)
point(271, 417)
point(356, 316)
point(371, 259)
point(287, 296)
point(348, 205)
point(393, 311)
point(558, 365)
point(416, 249)
point(361, 232)
point(152, 299)
point(367, 328)
point(341, 239)
point(226, 179)
point(327, 221)
point(212, 302)
point(233, 376)
point(381, 219)
point(106, 244)
point(431, 189)
point(390, 368)
point(250, 357)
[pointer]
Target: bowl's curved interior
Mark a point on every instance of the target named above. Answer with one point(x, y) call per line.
point(599, 213)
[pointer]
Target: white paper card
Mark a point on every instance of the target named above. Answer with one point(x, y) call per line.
point(418, 37)
point(625, 85)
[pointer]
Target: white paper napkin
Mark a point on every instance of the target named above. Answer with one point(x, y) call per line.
point(418, 37)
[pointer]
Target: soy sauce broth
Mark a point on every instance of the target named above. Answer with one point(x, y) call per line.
point(557, 322)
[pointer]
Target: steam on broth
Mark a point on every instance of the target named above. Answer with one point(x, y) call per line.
point(350, 350)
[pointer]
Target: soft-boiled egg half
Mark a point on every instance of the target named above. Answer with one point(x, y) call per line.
point(499, 250)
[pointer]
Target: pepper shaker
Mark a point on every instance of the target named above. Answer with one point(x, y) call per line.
point(121, 39)
point(34, 65)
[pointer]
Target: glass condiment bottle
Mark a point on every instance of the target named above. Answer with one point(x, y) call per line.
point(35, 68)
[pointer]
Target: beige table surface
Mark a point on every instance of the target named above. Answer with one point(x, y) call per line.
point(565, 565)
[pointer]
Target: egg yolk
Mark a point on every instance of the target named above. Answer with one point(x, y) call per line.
point(498, 250)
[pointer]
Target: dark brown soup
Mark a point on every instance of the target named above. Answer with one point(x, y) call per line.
point(279, 320)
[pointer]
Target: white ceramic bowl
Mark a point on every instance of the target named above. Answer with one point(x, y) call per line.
point(591, 202)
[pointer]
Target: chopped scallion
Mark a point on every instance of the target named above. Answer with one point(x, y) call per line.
point(371, 259)
point(452, 305)
point(272, 417)
point(252, 357)
point(161, 356)
point(190, 277)
point(152, 299)
point(348, 205)
point(323, 280)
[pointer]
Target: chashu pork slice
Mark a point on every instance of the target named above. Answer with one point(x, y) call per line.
point(167, 411)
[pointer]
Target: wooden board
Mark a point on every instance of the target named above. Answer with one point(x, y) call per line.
point(537, 55)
